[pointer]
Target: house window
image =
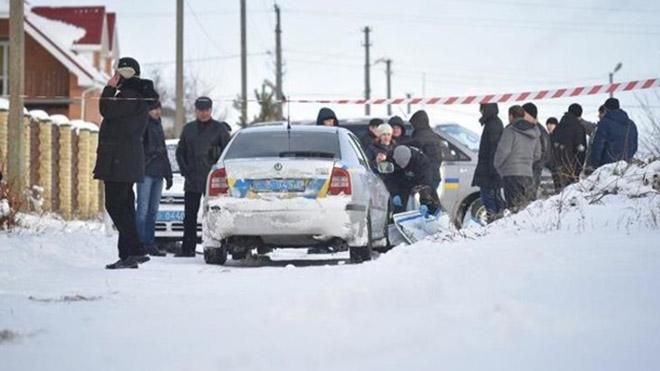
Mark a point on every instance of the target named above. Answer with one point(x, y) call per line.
point(4, 68)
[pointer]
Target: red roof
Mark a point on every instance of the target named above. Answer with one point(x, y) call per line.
point(89, 18)
point(112, 17)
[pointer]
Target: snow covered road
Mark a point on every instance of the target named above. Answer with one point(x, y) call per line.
point(517, 302)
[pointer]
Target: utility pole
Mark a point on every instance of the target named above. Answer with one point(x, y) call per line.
point(408, 95)
point(616, 69)
point(388, 71)
point(16, 141)
point(278, 64)
point(180, 119)
point(367, 66)
point(243, 64)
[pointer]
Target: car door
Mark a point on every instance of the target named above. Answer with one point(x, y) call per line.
point(376, 190)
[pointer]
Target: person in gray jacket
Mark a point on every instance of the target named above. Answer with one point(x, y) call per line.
point(518, 149)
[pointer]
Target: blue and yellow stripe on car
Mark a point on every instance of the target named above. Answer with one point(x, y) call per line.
point(451, 183)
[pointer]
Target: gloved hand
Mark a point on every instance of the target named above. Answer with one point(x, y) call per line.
point(396, 201)
point(168, 183)
point(424, 210)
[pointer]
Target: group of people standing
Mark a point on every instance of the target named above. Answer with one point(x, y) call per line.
point(512, 158)
point(132, 151)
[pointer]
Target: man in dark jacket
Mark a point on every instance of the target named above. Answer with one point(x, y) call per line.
point(371, 135)
point(120, 155)
point(201, 144)
point(569, 143)
point(485, 175)
point(429, 142)
point(616, 137)
point(157, 168)
point(531, 115)
point(326, 117)
point(518, 149)
point(418, 174)
point(398, 130)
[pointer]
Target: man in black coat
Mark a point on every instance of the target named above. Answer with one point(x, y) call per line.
point(371, 136)
point(326, 117)
point(418, 174)
point(201, 144)
point(429, 142)
point(157, 169)
point(485, 175)
point(120, 155)
point(531, 115)
point(569, 142)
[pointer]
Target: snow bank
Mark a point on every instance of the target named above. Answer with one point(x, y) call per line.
point(79, 125)
point(59, 120)
point(39, 115)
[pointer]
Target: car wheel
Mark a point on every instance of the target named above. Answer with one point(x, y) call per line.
point(239, 254)
point(215, 255)
point(386, 233)
point(359, 254)
point(475, 212)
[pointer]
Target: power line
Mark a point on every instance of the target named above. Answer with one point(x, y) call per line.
point(205, 59)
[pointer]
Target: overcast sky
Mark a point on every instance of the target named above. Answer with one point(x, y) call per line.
point(460, 46)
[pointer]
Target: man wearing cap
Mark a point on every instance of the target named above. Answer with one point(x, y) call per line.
point(417, 174)
point(616, 137)
point(201, 144)
point(124, 105)
point(157, 169)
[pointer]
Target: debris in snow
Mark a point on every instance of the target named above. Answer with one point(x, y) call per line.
point(7, 336)
point(66, 299)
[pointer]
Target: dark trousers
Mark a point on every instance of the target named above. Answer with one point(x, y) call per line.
point(120, 204)
point(192, 201)
point(492, 200)
point(518, 191)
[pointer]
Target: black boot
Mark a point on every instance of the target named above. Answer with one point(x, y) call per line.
point(154, 251)
point(140, 258)
point(128, 263)
point(187, 250)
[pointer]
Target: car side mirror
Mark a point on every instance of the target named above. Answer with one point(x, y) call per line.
point(385, 167)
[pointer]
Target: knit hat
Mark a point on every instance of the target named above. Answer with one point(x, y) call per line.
point(384, 129)
point(402, 156)
point(128, 67)
point(575, 109)
point(612, 104)
point(531, 109)
point(203, 103)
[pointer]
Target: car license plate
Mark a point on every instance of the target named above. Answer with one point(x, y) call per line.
point(170, 216)
point(279, 185)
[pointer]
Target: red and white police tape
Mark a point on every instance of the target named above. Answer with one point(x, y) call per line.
point(470, 99)
point(500, 98)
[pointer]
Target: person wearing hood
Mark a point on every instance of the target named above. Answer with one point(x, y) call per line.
point(518, 149)
point(398, 130)
point(531, 114)
point(124, 105)
point(371, 136)
point(569, 143)
point(326, 117)
point(616, 137)
point(417, 174)
point(157, 169)
point(200, 145)
point(485, 175)
point(429, 142)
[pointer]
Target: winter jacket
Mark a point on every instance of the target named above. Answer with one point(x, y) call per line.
point(376, 148)
point(324, 114)
point(569, 144)
point(518, 149)
point(615, 139)
point(120, 154)
point(485, 174)
point(546, 159)
point(367, 140)
point(200, 146)
point(157, 163)
point(429, 142)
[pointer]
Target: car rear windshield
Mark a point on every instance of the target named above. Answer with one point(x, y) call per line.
point(283, 144)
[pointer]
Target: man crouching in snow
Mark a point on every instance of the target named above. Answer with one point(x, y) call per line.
point(120, 154)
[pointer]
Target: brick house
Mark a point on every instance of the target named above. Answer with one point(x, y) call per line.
point(69, 53)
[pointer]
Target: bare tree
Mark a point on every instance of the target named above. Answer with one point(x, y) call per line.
point(650, 135)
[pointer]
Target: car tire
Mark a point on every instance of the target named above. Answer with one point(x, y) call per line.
point(239, 254)
point(386, 233)
point(360, 254)
point(215, 255)
point(474, 211)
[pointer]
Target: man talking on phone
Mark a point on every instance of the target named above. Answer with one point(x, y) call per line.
point(120, 154)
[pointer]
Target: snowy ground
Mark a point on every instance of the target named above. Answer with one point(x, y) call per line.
point(513, 296)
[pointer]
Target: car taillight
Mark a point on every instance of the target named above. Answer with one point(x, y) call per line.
point(218, 185)
point(340, 182)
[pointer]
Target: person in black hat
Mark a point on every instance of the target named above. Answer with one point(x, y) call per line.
point(157, 169)
point(371, 135)
point(531, 115)
point(569, 145)
point(124, 105)
point(201, 144)
point(616, 136)
point(398, 130)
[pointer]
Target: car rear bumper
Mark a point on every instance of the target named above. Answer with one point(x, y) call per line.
point(277, 220)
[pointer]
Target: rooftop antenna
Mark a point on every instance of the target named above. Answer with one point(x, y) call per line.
point(288, 113)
